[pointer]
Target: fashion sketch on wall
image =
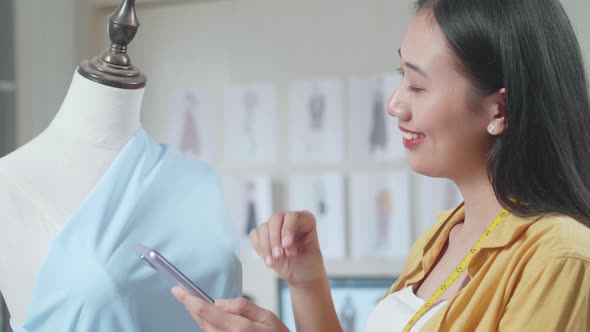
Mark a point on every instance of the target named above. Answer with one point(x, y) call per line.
point(384, 202)
point(320, 198)
point(251, 214)
point(378, 135)
point(251, 122)
point(317, 118)
point(315, 121)
point(374, 134)
point(191, 123)
point(380, 219)
point(250, 201)
point(323, 195)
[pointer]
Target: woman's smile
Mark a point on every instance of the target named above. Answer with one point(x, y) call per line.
point(412, 139)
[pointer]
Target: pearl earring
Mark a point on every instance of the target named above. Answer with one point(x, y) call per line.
point(491, 129)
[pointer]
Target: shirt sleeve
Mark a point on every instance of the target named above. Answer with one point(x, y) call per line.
point(554, 297)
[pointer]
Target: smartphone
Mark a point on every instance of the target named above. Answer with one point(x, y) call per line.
point(162, 265)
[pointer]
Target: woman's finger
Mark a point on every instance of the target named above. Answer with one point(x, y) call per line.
point(241, 306)
point(265, 251)
point(194, 305)
point(296, 225)
point(196, 309)
point(275, 225)
point(255, 239)
point(208, 316)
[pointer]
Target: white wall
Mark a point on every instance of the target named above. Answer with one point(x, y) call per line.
point(46, 57)
point(54, 36)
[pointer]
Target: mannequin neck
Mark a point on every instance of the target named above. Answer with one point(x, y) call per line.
point(97, 114)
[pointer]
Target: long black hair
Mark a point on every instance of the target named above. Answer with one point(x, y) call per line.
point(541, 162)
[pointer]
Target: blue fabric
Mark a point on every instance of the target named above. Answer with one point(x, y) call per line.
point(92, 280)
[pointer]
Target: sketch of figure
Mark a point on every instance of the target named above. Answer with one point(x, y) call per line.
point(348, 315)
point(384, 209)
point(378, 135)
point(317, 114)
point(251, 215)
point(250, 104)
point(317, 110)
point(319, 194)
point(189, 142)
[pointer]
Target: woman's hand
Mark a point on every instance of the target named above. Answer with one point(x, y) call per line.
point(288, 243)
point(236, 314)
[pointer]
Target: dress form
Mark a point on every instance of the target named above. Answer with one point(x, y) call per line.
point(43, 182)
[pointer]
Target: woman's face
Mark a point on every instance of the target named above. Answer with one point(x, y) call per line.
point(445, 125)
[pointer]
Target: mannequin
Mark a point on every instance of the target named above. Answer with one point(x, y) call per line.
point(91, 127)
point(44, 184)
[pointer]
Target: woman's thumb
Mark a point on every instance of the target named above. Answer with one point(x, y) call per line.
point(242, 307)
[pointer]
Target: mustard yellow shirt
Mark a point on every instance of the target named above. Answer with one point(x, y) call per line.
point(530, 274)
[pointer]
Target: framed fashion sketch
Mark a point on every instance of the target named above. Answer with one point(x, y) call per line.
point(380, 215)
point(374, 134)
point(354, 299)
point(192, 120)
point(250, 203)
point(251, 123)
point(323, 195)
point(315, 121)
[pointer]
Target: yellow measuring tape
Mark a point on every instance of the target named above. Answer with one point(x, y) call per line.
point(456, 273)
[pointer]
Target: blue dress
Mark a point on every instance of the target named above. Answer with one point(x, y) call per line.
point(92, 280)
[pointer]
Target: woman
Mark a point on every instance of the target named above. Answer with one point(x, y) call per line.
point(493, 97)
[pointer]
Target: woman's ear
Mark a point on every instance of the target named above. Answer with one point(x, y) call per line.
point(496, 112)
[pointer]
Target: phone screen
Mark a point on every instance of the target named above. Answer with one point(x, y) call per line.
point(162, 265)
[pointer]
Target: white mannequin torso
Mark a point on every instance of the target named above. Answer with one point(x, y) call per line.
point(44, 182)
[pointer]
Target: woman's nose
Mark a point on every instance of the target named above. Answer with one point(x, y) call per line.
point(396, 107)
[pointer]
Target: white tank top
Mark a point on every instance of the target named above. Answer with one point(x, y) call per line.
point(395, 311)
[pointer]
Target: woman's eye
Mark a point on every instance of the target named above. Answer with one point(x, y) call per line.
point(410, 87)
point(414, 89)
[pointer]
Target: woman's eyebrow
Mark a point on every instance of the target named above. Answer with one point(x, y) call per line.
point(412, 66)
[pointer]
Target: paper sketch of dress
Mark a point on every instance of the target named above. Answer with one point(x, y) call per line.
point(378, 135)
point(348, 315)
point(189, 142)
point(250, 105)
point(251, 215)
point(319, 194)
point(317, 112)
point(384, 210)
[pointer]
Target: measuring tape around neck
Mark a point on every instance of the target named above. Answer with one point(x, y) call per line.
point(456, 273)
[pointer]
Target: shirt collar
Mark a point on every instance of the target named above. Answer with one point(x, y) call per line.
point(505, 233)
